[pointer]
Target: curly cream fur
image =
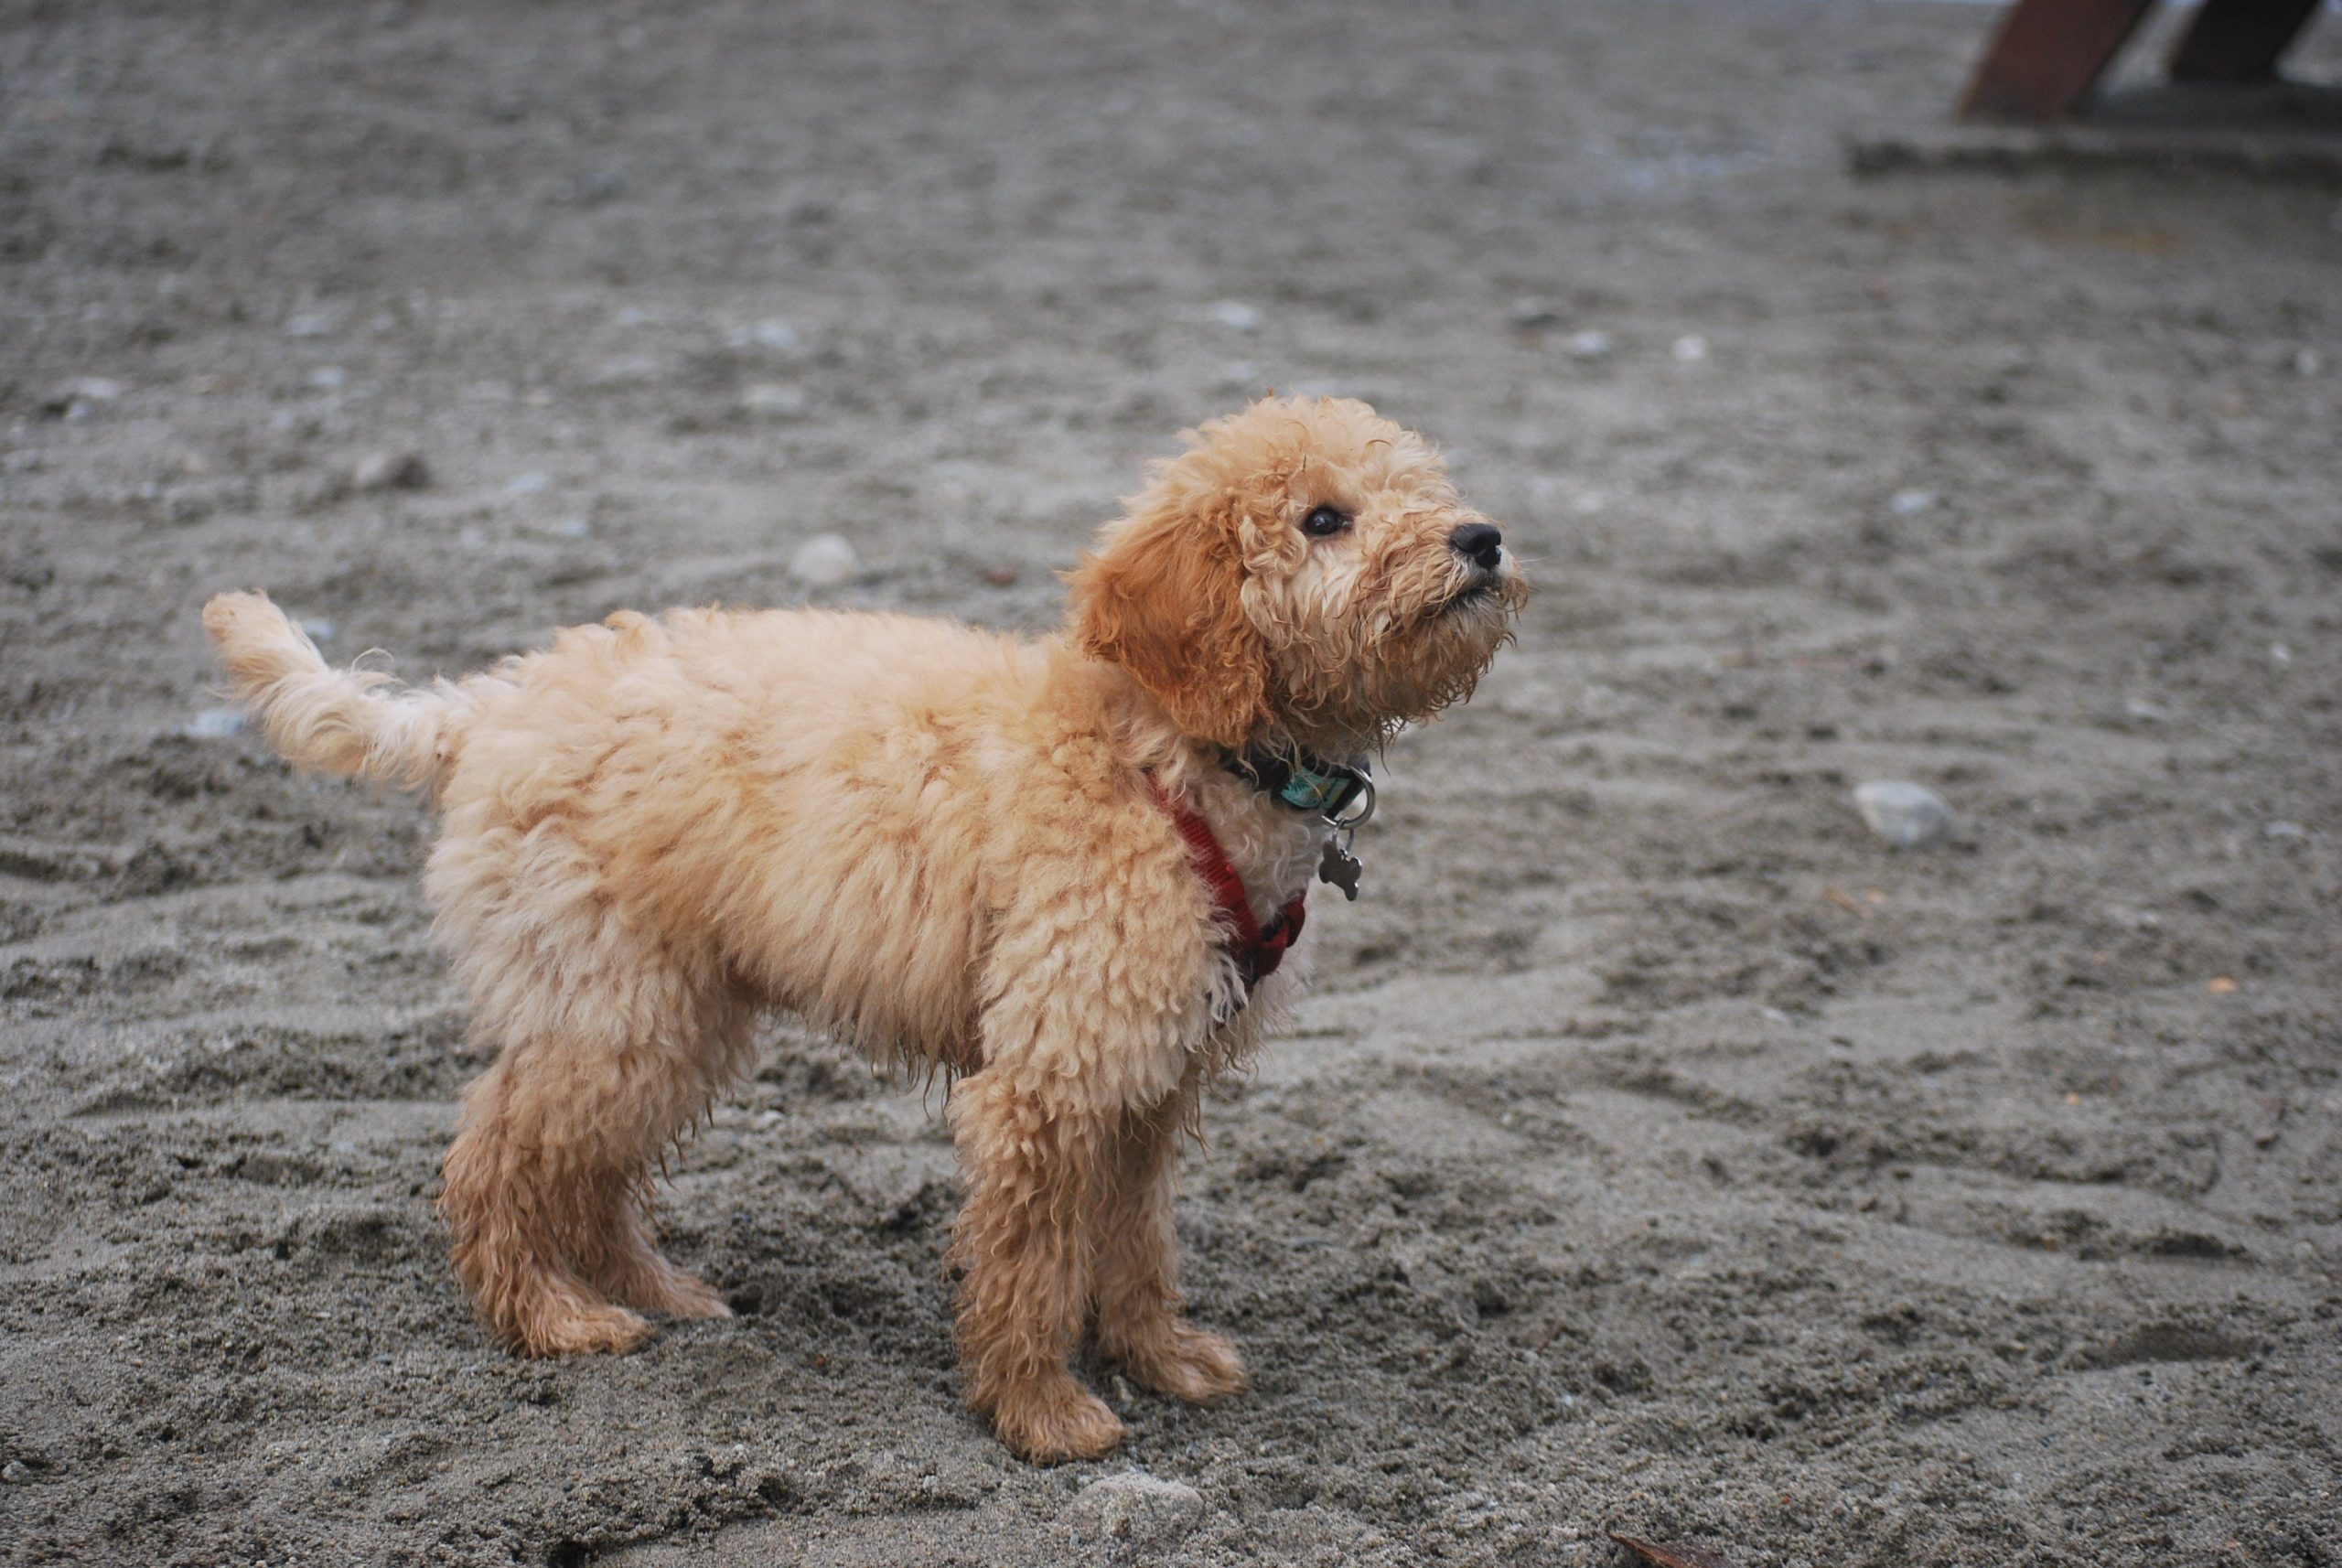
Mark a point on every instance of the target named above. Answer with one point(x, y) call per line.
point(335, 721)
point(938, 844)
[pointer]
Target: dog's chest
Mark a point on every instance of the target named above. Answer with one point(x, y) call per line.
point(1273, 848)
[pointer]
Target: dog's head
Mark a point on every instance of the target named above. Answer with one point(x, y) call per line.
point(1304, 569)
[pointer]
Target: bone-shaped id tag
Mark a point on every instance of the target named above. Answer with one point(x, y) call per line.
point(1340, 867)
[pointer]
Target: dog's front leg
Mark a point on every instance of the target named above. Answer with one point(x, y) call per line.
point(1139, 1320)
point(1098, 992)
point(1035, 1164)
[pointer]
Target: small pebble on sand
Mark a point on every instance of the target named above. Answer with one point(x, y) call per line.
point(1533, 312)
point(1591, 344)
point(1236, 315)
point(775, 335)
point(824, 562)
point(79, 398)
point(771, 400)
point(390, 471)
point(215, 723)
point(1907, 816)
point(1137, 1508)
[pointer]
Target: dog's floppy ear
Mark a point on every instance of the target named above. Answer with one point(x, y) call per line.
point(1164, 600)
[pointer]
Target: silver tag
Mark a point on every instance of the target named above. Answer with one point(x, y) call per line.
point(1340, 867)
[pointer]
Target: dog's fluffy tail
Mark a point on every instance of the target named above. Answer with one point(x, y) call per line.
point(335, 721)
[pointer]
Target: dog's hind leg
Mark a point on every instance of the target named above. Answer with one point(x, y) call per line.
point(547, 1183)
point(611, 1047)
point(517, 1198)
point(1140, 1318)
point(624, 1259)
point(634, 1271)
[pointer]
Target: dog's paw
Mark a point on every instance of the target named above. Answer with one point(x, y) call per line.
point(585, 1331)
point(1056, 1421)
point(689, 1298)
point(1187, 1363)
point(674, 1292)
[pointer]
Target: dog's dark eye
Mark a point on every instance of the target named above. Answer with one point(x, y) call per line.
point(1326, 519)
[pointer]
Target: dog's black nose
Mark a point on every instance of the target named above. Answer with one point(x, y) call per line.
point(1483, 542)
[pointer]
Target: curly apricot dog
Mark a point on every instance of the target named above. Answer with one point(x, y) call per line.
point(1053, 869)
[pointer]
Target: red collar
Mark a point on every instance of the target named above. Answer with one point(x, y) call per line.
point(1257, 952)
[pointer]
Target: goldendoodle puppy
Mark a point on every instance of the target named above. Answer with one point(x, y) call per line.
point(1061, 871)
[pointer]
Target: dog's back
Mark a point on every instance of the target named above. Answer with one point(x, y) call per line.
point(652, 768)
point(764, 784)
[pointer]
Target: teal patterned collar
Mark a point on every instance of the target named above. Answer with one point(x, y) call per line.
point(1304, 782)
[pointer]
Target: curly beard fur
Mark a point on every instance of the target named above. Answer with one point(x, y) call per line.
point(1248, 630)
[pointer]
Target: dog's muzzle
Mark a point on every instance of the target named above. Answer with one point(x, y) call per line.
point(1482, 543)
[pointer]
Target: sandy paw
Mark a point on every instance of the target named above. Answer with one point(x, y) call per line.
point(674, 1292)
point(689, 1298)
point(1187, 1364)
point(611, 1330)
point(1059, 1421)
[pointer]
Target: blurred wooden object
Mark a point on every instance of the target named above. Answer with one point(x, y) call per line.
point(2047, 56)
point(2048, 53)
point(2238, 41)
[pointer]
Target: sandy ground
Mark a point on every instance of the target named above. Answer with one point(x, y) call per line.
point(1659, 1152)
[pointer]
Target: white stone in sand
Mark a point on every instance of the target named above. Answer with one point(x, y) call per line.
point(390, 471)
point(773, 401)
point(1236, 315)
point(1908, 816)
point(824, 562)
point(1531, 312)
point(772, 334)
point(1137, 1508)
